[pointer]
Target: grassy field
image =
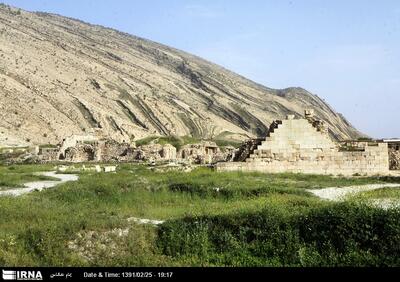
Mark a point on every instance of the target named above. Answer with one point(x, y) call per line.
point(212, 219)
point(385, 193)
point(16, 176)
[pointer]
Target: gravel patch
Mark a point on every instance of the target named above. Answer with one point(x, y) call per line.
point(340, 193)
point(145, 221)
point(91, 244)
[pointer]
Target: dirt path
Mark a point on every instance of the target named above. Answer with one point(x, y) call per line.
point(40, 185)
point(340, 193)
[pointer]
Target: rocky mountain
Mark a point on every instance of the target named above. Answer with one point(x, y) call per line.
point(60, 76)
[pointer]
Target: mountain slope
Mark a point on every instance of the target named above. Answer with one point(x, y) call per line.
point(60, 76)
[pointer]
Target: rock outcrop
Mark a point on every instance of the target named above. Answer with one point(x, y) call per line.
point(60, 76)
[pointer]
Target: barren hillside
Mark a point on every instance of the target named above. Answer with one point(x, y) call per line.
point(60, 76)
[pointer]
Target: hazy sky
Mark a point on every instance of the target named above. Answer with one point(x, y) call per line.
point(347, 52)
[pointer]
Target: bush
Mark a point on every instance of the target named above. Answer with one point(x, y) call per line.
point(329, 235)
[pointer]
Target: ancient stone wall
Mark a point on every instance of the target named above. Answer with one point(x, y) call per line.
point(200, 153)
point(298, 146)
point(74, 140)
point(110, 150)
point(152, 152)
point(168, 152)
point(48, 154)
point(80, 153)
point(79, 149)
point(394, 157)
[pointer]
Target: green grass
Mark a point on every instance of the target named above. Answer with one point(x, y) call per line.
point(254, 219)
point(16, 175)
point(225, 139)
point(179, 141)
point(317, 235)
point(145, 141)
point(224, 143)
point(392, 193)
point(176, 141)
point(45, 146)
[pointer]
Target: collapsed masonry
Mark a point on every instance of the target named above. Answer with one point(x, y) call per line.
point(394, 153)
point(394, 157)
point(84, 148)
point(304, 146)
point(91, 148)
point(292, 145)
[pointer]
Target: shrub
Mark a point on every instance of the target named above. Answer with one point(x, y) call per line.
point(329, 235)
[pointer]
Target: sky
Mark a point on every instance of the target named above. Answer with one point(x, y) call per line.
point(345, 51)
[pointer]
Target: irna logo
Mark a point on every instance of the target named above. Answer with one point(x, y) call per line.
point(22, 275)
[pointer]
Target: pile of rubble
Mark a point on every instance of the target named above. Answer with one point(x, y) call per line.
point(320, 125)
point(77, 149)
point(206, 152)
point(246, 149)
point(200, 153)
point(394, 158)
point(152, 153)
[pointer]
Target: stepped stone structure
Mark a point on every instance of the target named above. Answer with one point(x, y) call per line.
point(246, 148)
point(304, 146)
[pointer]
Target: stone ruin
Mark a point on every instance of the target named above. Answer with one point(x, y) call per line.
point(83, 148)
point(246, 149)
point(88, 148)
point(205, 152)
point(291, 145)
point(394, 153)
point(304, 146)
point(153, 153)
